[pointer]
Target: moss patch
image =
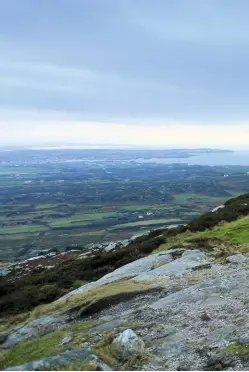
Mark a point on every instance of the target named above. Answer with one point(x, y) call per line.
point(48, 345)
point(238, 349)
point(32, 350)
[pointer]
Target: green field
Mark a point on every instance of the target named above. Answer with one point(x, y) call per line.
point(22, 229)
point(83, 219)
point(188, 198)
point(36, 216)
point(58, 225)
point(162, 221)
point(62, 199)
point(145, 207)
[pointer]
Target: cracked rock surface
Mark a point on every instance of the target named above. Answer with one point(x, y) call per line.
point(199, 320)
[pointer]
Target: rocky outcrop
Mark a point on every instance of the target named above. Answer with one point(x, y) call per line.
point(197, 321)
point(129, 344)
point(80, 355)
point(110, 246)
point(34, 330)
point(37, 264)
point(152, 267)
point(130, 270)
point(187, 308)
point(66, 340)
point(188, 261)
point(5, 270)
point(48, 259)
point(237, 259)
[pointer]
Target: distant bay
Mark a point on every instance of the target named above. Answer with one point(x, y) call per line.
point(240, 158)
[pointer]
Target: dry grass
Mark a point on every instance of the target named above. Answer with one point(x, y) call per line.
point(107, 352)
point(88, 299)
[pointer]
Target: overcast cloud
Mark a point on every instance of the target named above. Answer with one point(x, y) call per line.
point(125, 71)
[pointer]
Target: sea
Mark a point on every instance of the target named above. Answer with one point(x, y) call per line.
point(240, 158)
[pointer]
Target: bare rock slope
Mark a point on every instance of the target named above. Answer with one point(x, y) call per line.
point(196, 319)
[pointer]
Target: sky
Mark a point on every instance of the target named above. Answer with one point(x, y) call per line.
point(131, 72)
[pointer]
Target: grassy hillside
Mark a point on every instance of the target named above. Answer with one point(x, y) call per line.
point(234, 234)
point(226, 230)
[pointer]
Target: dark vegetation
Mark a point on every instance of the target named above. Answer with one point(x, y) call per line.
point(37, 288)
point(234, 208)
point(24, 294)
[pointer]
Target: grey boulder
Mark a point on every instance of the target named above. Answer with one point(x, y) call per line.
point(66, 340)
point(33, 330)
point(236, 259)
point(128, 344)
point(244, 339)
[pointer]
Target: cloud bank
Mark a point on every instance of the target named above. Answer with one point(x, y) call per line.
point(162, 72)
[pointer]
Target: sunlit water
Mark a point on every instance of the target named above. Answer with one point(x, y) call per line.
point(222, 158)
